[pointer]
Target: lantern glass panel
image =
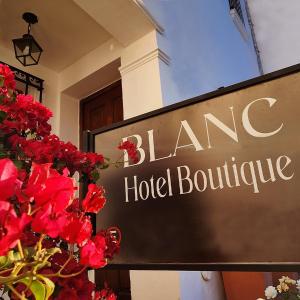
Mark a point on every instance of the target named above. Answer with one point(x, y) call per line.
point(27, 50)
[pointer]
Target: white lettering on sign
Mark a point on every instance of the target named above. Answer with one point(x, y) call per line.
point(186, 129)
point(247, 124)
point(249, 173)
point(231, 133)
point(230, 174)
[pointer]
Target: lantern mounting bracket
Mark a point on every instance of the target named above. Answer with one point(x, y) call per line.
point(30, 18)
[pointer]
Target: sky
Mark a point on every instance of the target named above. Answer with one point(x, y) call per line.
point(277, 29)
point(205, 47)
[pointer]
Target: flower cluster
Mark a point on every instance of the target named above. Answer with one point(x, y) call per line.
point(25, 115)
point(286, 289)
point(7, 81)
point(130, 148)
point(46, 240)
point(105, 293)
point(51, 149)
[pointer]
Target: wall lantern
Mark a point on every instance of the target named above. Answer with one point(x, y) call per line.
point(27, 50)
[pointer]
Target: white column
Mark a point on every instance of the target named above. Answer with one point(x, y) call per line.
point(141, 78)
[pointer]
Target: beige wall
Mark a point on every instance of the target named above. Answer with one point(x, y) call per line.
point(69, 119)
point(89, 64)
point(158, 285)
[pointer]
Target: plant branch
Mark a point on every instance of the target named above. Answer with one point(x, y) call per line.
point(21, 297)
point(20, 249)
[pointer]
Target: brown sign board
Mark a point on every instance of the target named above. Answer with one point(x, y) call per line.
point(217, 182)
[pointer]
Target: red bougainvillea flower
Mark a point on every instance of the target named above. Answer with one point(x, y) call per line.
point(94, 199)
point(49, 222)
point(8, 77)
point(131, 150)
point(92, 254)
point(36, 182)
point(11, 227)
point(105, 294)
point(59, 259)
point(68, 293)
point(113, 240)
point(77, 230)
point(26, 114)
point(22, 289)
point(51, 149)
point(29, 239)
point(57, 190)
point(84, 287)
point(8, 178)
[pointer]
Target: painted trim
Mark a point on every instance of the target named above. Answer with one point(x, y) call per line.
point(140, 4)
point(156, 53)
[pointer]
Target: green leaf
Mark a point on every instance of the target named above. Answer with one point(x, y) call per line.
point(29, 252)
point(95, 175)
point(52, 251)
point(2, 115)
point(37, 288)
point(49, 284)
point(104, 166)
point(18, 163)
point(4, 262)
point(9, 259)
point(3, 154)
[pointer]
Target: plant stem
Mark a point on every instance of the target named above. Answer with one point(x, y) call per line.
point(73, 274)
point(66, 262)
point(20, 249)
point(21, 297)
point(7, 270)
point(65, 276)
point(39, 243)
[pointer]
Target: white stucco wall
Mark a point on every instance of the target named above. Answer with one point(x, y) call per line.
point(276, 25)
point(69, 119)
point(193, 286)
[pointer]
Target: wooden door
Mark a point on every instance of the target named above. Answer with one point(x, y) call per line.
point(244, 285)
point(251, 285)
point(101, 109)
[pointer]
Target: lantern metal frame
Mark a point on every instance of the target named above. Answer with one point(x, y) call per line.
point(27, 49)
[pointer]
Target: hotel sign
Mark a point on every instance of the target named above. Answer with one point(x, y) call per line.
point(217, 182)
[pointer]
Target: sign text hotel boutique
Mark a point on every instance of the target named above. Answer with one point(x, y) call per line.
point(217, 179)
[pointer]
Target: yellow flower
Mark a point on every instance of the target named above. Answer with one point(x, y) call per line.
point(282, 287)
point(287, 280)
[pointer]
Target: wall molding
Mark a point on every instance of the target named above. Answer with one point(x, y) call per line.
point(149, 16)
point(156, 53)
